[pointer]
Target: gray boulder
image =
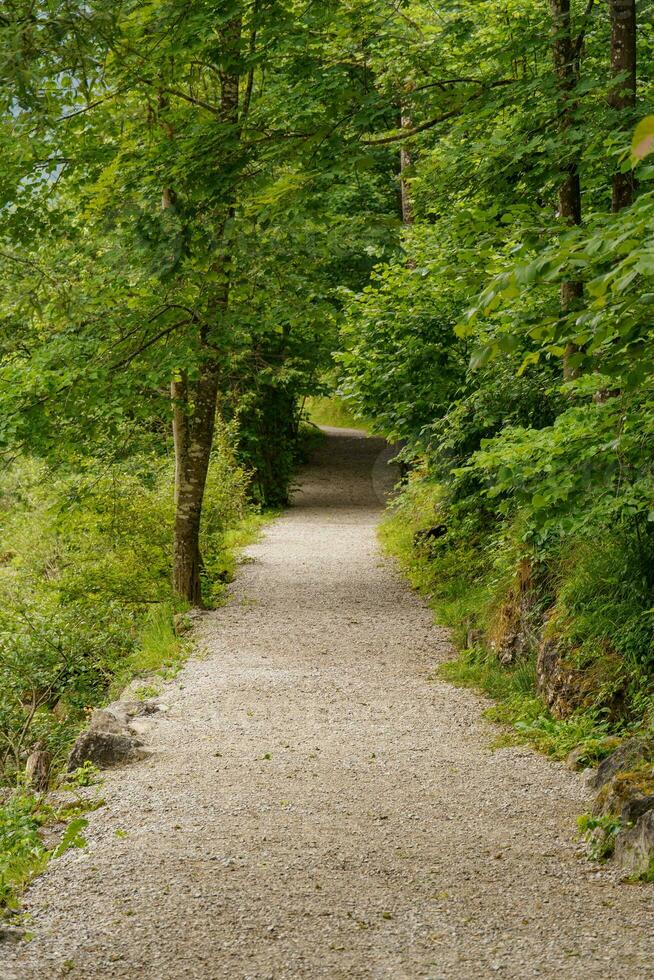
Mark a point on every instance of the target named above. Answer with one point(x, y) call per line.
point(628, 795)
point(104, 720)
point(119, 716)
point(627, 756)
point(111, 739)
point(105, 749)
point(634, 846)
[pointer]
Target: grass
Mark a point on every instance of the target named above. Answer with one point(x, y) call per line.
point(464, 589)
point(158, 650)
point(335, 412)
point(521, 711)
point(221, 566)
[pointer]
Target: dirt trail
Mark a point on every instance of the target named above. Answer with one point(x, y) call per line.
point(318, 806)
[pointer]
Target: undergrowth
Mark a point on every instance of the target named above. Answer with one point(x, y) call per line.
point(467, 571)
point(24, 852)
point(86, 603)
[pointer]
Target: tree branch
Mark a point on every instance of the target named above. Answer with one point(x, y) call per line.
point(149, 343)
point(407, 133)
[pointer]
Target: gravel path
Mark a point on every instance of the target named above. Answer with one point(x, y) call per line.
point(317, 805)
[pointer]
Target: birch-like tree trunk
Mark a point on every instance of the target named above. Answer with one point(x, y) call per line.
point(406, 204)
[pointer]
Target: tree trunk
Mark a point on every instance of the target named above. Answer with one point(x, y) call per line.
point(193, 428)
point(566, 67)
point(623, 89)
point(406, 204)
point(194, 404)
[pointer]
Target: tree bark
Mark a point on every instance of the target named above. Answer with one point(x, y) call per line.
point(193, 428)
point(566, 67)
point(406, 204)
point(623, 90)
point(194, 403)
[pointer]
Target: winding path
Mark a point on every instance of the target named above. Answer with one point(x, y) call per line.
point(317, 805)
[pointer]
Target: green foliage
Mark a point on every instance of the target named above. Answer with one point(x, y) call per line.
point(87, 774)
point(23, 853)
point(599, 833)
point(85, 585)
point(466, 590)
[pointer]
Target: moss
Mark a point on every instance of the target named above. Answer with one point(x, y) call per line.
point(625, 788)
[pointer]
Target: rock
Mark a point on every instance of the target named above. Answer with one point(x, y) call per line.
point(10, 935)
point(515, 629)
point(110, 739)
point(104, 720)
point(118, 717)
point(37, 769)
point(634, 808)
point(626, 757)
point(561, 685)
point(628, 795)
point(566, 688)
point(576, 759)
point(185, 621)
point(582, 756)
point(141, 726)
point(634, 846)
point(182, 623)
point(105, 749)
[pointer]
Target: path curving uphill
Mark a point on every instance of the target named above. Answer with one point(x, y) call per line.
point(316, 805)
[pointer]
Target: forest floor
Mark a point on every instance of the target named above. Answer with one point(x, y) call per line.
point(317, 804)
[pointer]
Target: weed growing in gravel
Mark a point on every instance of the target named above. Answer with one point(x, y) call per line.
point(599, 833)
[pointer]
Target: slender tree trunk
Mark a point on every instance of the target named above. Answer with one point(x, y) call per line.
point(406, 204)
point(623, 90)
point(193, 428)
point(194, 404)
point(567, 74)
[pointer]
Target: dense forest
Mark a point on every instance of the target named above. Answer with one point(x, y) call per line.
point(212, 214)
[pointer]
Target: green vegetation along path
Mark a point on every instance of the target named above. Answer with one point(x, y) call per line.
point(317, 805)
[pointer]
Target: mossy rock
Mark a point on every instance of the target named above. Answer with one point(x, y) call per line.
point(568, 687)
point(631, 755)
point(628, 795)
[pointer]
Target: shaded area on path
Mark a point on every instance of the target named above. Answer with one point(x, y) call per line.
point(317, 805)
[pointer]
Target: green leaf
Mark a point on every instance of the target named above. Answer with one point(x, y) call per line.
point(642, 143)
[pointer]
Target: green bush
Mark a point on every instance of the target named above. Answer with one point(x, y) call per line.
point(85, 594)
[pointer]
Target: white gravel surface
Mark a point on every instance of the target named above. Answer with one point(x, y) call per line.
point(317, 805)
